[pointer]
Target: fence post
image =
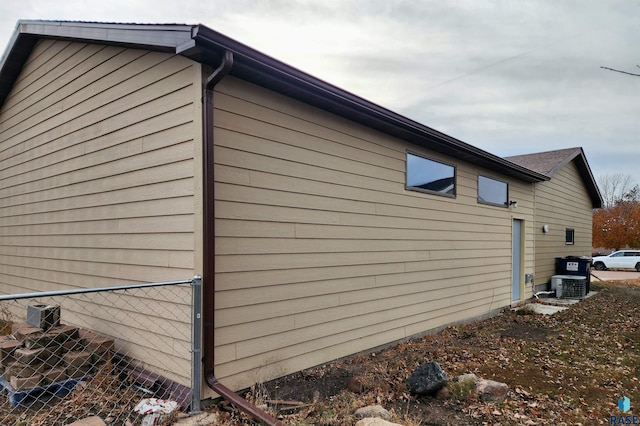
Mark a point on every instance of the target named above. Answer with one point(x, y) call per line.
point(196, 345)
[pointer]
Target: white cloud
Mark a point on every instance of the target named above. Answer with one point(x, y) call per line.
point(508, 77)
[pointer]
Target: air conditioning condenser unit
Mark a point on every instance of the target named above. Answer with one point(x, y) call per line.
point(569, 286)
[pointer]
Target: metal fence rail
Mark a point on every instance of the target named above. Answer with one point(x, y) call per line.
point(69, 354)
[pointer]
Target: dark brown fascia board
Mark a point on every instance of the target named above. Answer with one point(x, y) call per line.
point(580, 159)
point(255, 67)
point(578, 156)
point(207, 46)
point(12, 62)
point(589, 180)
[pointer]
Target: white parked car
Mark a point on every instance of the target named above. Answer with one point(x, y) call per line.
point(622, 259)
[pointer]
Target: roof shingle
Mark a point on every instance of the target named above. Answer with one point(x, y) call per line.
point(549, 162)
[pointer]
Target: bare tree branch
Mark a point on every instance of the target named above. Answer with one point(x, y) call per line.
point(623, 72)
point(614, 187)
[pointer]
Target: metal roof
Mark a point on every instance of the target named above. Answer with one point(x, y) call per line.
point(207, 46)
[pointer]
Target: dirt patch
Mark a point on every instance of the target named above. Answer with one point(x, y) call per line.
point(526, 331)
point(311, 385)
point(568, 368)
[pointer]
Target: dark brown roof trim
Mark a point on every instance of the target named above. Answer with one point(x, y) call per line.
point(265, 71)
point(549, 162)
point(207, 46)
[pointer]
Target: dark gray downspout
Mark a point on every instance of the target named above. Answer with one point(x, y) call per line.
point(208, 287)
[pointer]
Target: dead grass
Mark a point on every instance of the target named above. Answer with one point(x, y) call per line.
point(568, 368)
point(6, 320)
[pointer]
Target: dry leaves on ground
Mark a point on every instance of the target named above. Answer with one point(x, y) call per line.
point(569, 368)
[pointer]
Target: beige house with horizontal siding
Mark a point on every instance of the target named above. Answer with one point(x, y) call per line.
point(564, 206)
point(323, 225)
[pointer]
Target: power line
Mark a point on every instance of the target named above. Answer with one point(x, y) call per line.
point(554, 43)
point(620, 71)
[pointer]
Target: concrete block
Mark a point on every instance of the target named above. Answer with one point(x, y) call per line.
point(13, 369)
point(53, 360)
point(27, 356)
point(64, 332)
point(43, 316)
point(77, 358)
point(42, 340)
point(10, 345)
point(18, 369)
point(20, 383)
point(53, 375)
point(23, 333)
point(73, 345)
point(99, 344)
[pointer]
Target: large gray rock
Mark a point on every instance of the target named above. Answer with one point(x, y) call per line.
point(466, 377)
point(375, 421)
point(427, 379)
point(490, 390)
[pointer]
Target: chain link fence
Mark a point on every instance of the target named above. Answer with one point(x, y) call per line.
point(114, 352)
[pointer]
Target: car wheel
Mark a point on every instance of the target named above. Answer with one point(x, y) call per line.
point(638, 266)
point(599, 266)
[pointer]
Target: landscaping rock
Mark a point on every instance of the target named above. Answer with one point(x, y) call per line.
point(202, 419)
point(487, 390)
point(465, 377)
point(490, 390)
point(89, 421)
point(373, 411)
point(375, 421)
point(427, 379)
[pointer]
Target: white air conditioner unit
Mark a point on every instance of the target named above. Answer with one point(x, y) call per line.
point(569, 286)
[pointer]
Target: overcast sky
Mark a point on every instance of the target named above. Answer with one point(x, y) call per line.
point(510, 77)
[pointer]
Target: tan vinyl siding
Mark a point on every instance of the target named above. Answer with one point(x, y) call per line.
point(563, 202)
point(98, 160)
point(320, 250)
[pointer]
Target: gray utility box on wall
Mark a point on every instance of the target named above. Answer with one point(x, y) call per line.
point(43, 316)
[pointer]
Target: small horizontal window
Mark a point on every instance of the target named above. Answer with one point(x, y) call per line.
point(430, 176)
point(493, 191)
